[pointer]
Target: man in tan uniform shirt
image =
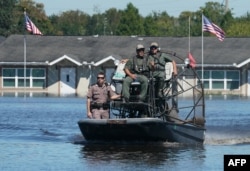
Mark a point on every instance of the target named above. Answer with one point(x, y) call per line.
point(98, 98)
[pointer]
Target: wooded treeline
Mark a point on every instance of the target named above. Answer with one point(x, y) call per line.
point(119, 22)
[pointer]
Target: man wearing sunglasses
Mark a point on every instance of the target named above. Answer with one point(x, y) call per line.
point(136, 68)
point(98, 98)
point(157, 61)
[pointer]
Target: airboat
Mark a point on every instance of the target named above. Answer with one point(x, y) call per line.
point(177, 117)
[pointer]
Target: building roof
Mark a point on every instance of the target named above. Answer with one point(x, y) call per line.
point(95, 48)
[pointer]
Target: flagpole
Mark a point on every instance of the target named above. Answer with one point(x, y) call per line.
point(202, 70)
point(29, 26)
point(24, 55)
point(24, 65)
point(189, 34)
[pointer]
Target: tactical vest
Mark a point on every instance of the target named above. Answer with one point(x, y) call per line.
point(143, 69)
point(158, 65)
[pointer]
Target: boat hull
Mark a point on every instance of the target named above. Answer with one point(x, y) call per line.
point(140, 129)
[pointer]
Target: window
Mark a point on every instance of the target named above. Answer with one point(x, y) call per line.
point(220, 79)
point(38, 75)
point(15, 77)
point(9, 77)
point(233, 79)
point(217, 79)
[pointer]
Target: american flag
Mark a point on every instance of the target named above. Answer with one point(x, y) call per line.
point(213, 28)
point(31, 27)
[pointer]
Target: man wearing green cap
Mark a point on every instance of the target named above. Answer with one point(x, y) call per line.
point(136, 69)
point(157, 61)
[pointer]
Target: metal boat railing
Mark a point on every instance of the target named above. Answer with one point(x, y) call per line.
point(189, 110)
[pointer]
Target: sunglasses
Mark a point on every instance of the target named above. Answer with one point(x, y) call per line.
point(153, 47)
point(100, 77)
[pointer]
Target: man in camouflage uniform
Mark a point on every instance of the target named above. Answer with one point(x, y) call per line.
point(135, 69)
point(98, 98)
point(157, 61)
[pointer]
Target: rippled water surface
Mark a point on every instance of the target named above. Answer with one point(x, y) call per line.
point(41, 133)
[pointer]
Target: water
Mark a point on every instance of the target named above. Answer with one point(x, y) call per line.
point(41, 133)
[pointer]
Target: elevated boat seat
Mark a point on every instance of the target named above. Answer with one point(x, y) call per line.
point(118, 77)
point(135, 88)
point(168, 70)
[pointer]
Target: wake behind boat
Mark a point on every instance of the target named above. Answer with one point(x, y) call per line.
point(158, 119)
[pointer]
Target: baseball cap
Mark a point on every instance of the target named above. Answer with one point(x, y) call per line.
point(154, 44)
point(139, 46)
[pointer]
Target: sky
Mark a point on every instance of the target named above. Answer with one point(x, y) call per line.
point(172, 7)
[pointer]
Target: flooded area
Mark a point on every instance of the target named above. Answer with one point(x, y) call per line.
point(41, 133)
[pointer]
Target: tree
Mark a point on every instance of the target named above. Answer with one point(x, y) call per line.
point(36, 13)
point(6, 15)
point(95, 24)
point(131, 22)
point(182, 29)
point(239, 27)
point(165, 25)
point(71, 23)
point(150, 26)
point(118, 22)
point(113, 17)
point(54, 19)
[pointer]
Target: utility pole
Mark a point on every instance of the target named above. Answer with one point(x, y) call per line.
point(90, 65)
point(104, 25)
point(226, 6)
